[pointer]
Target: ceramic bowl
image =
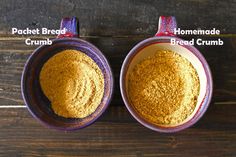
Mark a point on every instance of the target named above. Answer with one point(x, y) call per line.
point(37, 103)
point(161, 41)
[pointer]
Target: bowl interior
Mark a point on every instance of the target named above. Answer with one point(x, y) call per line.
point(38, 103)
point(145, 50)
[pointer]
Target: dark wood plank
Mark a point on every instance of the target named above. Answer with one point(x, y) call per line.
point(14, 53)
point(115, 27)
point(118, 18)
point(116, 133)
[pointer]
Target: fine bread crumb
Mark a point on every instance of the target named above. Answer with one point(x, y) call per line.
point(73, 83)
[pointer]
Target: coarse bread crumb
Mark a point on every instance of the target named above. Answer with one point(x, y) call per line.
point(164, 88)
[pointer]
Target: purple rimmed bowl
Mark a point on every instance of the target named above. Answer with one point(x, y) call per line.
point(37, 103)
point(162, 41)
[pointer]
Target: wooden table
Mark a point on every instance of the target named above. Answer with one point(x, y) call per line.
point(115, 27)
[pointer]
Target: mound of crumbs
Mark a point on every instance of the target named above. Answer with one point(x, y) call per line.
point(73, 83)
point(163, 88)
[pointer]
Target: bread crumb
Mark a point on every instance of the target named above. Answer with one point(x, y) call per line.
point(163, 88)
point(73, 83)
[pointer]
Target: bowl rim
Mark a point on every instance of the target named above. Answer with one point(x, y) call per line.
point(25, 98)
point(204, 104)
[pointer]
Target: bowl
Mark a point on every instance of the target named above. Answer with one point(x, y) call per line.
point(37, 103)
point(162, 41)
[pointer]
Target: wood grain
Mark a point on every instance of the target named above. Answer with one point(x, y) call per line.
point(118, 17)
point(115, 27)
point(220, 59)
point(117, 134)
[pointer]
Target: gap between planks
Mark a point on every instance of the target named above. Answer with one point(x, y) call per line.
point(24, 106)
point(12, 106)
point(6, 38)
